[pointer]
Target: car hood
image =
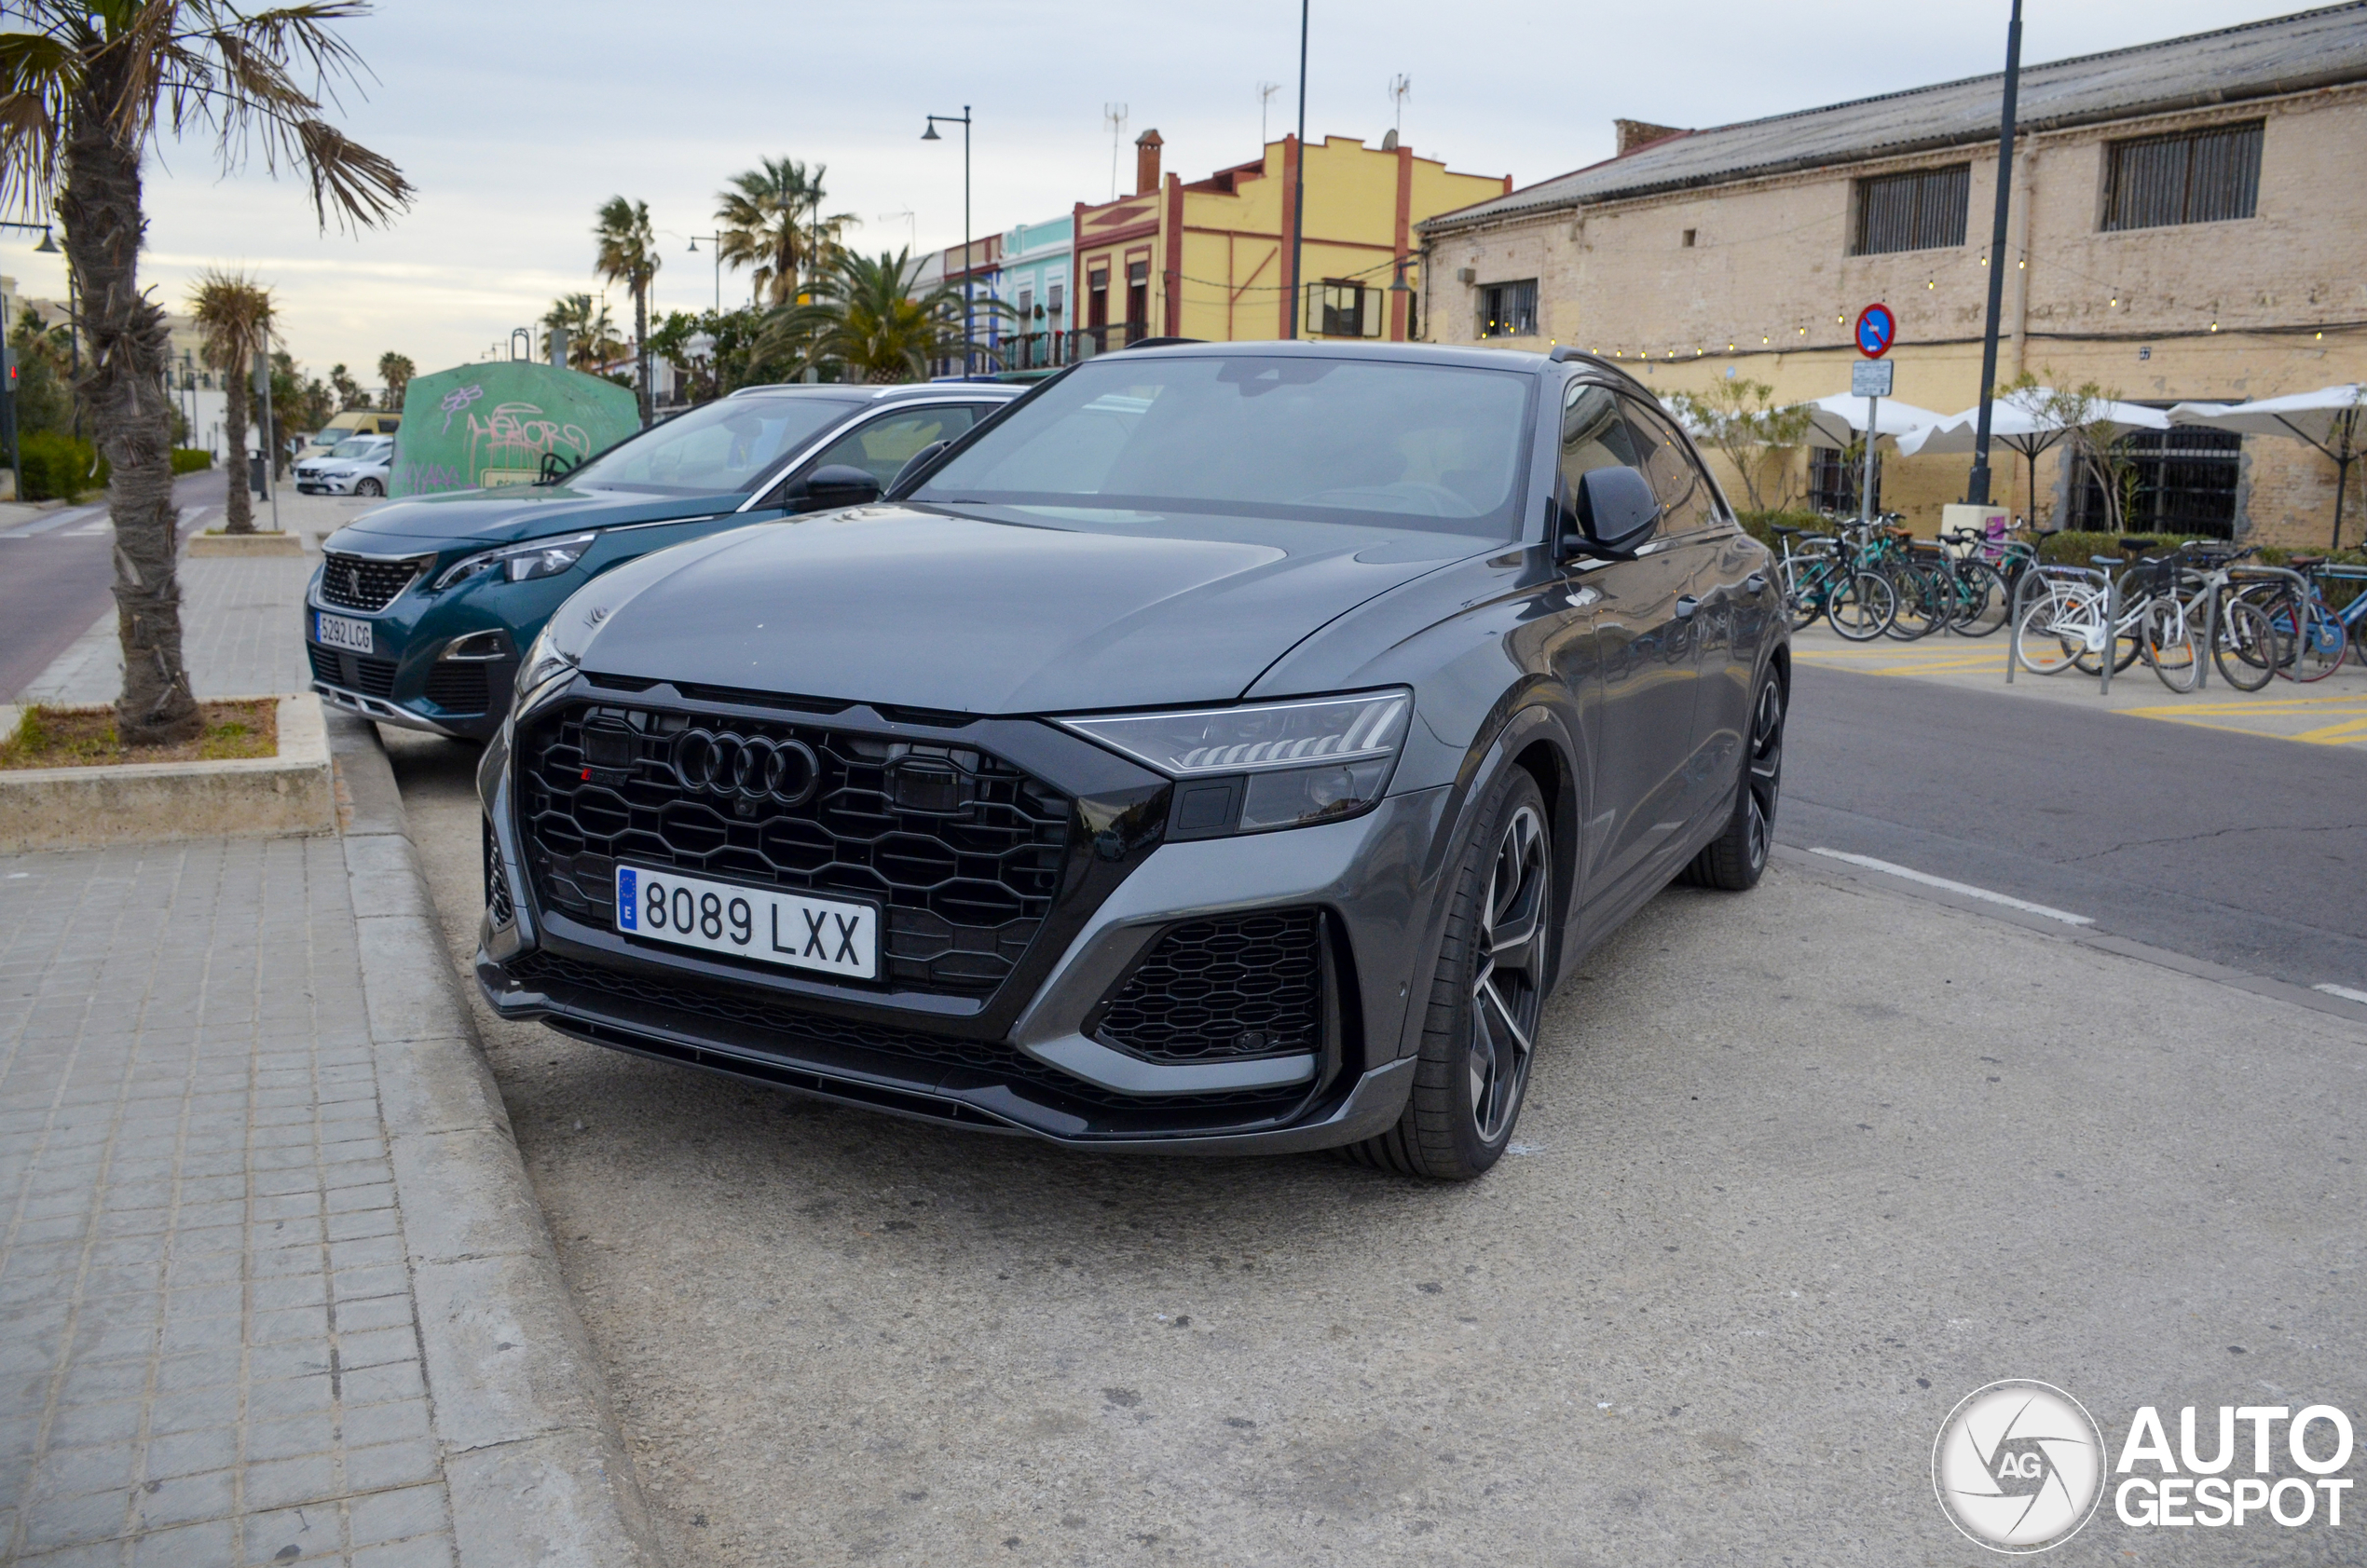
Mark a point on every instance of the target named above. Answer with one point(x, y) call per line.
point(998, 611)
point(484, 518)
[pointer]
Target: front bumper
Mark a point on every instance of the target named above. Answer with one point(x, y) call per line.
point(398, 681)
point(1028, 1064)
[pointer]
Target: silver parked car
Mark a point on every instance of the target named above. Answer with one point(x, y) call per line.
point(355, 467)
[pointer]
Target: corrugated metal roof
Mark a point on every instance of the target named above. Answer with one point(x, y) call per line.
point(2287, 54)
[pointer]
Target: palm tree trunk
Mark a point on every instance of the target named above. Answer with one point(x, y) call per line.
point(642, 344)
point(238, 507)
point(123, 386)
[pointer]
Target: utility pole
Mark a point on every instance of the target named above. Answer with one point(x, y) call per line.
point(270, 441)
point(1976, 489)
point(968, 336)
point(1298, 193)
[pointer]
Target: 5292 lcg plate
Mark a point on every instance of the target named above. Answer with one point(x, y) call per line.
point(830, 935)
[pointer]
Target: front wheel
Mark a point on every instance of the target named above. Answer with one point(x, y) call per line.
point(1488, 993)
point(1861, 606)
point(369, 487)
point(1736, 858)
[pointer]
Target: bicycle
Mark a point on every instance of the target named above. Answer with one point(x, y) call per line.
point(2085, 616)
point(1822, 580)
point(2317, 635)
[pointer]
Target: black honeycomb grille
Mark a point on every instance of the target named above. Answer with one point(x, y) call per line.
point(1224, 990)
point(497, 886)
point(961, 850)
point(351, 582)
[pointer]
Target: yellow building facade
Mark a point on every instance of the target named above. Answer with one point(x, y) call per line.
point(1212, 258)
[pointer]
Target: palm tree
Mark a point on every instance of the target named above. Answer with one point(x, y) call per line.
point(772, 221)
point(591, 336)
point(233, 314)
point(629, 255)
point(396, 371)
point(88, 90)
point(865, 318)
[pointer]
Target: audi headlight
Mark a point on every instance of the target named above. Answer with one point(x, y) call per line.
point(1266, 765)
point(520, 563)
point(546, 663)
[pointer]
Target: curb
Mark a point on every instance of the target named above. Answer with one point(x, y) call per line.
point(533, 1459)
point(282, 795)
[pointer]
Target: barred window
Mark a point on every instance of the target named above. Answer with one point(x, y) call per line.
point(1508, 309)
point(2194, 177)
point(1922, 210)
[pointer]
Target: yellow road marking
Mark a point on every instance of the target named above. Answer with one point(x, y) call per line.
point(2334, 734)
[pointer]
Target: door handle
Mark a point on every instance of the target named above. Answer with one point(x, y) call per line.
point(1685, 606)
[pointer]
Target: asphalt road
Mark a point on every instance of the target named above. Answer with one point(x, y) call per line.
point(55, 573)
point(1800, 1169)
point(2246, 850)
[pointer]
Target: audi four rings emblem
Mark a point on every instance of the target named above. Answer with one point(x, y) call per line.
point(754, 768)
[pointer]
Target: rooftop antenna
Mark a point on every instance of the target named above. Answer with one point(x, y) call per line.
point(1399, 86)
point(911, 227)
point(1115, 115)
point(1265, 91)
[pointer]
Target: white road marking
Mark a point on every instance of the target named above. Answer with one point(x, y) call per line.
point(1929, 880)
point(2343, 991)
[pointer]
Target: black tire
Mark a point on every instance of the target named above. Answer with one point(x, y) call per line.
point(2248, 648)
point(1860, 608)
point(1983, 602)
point(369, 487)
point(1486, 995)
point(1737, 858)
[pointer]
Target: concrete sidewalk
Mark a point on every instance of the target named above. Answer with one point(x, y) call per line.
point(273, 1285)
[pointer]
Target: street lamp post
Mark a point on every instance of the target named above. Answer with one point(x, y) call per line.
point(961, 119)
point(1298, 192)
point(1977, 487)
point(715, 244)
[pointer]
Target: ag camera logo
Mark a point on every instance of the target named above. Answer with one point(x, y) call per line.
point(2018, 1466)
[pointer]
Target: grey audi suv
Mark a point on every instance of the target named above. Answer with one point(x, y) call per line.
point(1222, 748)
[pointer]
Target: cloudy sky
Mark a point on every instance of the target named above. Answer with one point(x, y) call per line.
point(516, 118)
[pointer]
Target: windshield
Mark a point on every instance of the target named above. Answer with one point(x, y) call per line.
point(359, 447)
point(724, 446)
point(1368, 442)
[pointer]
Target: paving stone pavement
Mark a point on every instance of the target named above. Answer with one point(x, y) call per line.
point(209, 1350)
point(241, 637)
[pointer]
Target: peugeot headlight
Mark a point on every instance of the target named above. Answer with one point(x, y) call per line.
point(1267, 765)
point(520, 563)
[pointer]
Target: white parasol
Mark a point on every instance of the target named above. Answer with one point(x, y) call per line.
point(2021, 422)
point(2327, 418)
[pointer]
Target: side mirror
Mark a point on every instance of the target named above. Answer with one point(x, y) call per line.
point(915, 463)
point(1615, 508)
point(833, 485)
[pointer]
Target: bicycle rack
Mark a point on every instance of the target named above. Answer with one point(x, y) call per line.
point(2039, 570)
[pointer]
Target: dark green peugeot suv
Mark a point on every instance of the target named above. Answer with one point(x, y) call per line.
point(421, 609)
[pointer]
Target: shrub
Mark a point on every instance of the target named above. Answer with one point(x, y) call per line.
point(60, 467)
point(1761, 526)
point(191, 460)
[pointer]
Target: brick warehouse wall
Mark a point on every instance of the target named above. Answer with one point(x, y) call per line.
point(1766, 289)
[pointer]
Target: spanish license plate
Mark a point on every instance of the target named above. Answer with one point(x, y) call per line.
point(338, 631)
point(828, 934)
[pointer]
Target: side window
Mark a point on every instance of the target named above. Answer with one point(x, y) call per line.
point(885, 445)
point(1687, 502)
point(1594, 435)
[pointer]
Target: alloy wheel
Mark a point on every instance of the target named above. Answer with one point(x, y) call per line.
point(1508, 986)
point(1766, 782)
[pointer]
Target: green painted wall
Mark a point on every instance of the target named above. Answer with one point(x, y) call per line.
point(489, 424)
